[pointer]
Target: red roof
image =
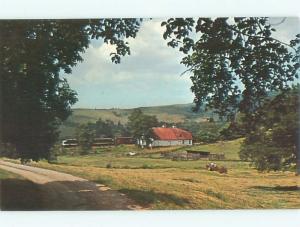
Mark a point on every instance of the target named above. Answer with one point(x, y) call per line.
point(171, 134)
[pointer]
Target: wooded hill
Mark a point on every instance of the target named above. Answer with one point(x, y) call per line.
point(169, 113)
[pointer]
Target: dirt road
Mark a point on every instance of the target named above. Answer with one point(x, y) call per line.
point(61, 191)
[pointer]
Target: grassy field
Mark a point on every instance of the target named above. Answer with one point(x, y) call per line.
point(16, 193)
point(158, 183)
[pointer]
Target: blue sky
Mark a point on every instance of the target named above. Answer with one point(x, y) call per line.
point(150, 76)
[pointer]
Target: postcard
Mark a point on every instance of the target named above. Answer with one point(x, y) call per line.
point(195, 113)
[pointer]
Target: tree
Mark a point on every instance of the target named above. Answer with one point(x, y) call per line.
point(34, 99)
point(107, 128)
point(234, 62)
point(104, 128)
point(140, 124)
point(234, 129)
point(274, 143)
point(85, 135)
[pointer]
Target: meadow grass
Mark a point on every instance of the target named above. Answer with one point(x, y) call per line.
point(159, 183)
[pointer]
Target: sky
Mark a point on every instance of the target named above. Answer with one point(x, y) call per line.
point(150, 76)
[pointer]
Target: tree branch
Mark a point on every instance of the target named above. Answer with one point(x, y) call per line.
point(283, 20)
point(262, 37)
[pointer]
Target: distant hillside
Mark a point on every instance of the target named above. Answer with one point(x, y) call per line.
point(171, 113)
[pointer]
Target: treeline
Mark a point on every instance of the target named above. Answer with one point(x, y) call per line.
point(106, 128)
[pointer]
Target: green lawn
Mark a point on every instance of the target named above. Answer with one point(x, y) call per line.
point(229, 148)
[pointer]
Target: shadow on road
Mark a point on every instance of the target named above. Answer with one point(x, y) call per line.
point(16, 194)
point(23, 195)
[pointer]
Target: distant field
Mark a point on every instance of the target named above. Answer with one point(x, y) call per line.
point(159, 183)
point(171, 113)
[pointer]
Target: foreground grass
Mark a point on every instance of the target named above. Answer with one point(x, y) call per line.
point(16, 193)
point(158, 183)
point(195, 188)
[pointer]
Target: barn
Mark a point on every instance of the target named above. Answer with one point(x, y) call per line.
point(162, 136)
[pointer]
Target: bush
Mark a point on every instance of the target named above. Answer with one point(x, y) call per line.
point(85, 136)
point(207, 137)
point(145, 166)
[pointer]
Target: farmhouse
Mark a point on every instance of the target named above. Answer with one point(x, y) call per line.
point(162, 136)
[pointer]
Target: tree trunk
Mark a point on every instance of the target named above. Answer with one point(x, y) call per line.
point(297, 155)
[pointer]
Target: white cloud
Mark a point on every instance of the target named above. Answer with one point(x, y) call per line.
point(151, 67)
point(286, 30)
point(149, 76)
point(149, 53)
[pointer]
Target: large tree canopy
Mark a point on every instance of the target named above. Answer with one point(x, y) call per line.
point(274, 143)
point(235, 62)
point(140, 124)
point(34, 98)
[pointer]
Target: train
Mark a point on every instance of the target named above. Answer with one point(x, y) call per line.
point(99, 142)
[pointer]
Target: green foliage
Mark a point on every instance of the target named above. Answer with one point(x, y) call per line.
point(233, 130)
point(56, 150)
point(274, 143)
point(207, 137)
point(202, 127)
point(85, 135)
point(235, 63)
point(207, 131)
point(34, 99)
point(140, 123)
point(108, 128)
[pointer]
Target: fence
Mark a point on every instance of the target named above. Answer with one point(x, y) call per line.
point(184, 156)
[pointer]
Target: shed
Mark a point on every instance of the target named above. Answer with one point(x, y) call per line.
point(191, 154)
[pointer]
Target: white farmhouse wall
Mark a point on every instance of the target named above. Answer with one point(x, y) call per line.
point(188, 142)
point(164, 143)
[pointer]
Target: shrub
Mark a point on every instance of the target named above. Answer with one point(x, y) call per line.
point(207, 137)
